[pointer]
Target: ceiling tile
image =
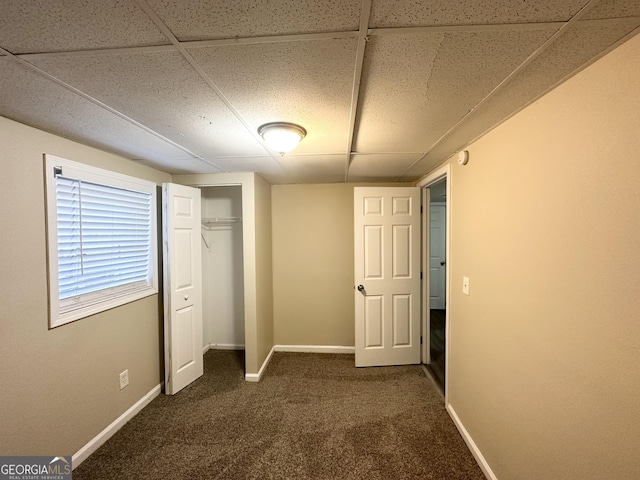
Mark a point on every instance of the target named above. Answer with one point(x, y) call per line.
point(163, 92)
point(315, 164)
point(417, 86)
point(380, 167)
point(49, 26)
point(411, 13)
point(308, 83)
point(577, 46)
point(207, 19)
point(179, 166)
point(290, 168)
point(290, 179)
point(29, 98)
point(258, 164)
point(614, 9)
point(310, 169)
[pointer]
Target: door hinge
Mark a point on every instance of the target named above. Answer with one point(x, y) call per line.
point(420, 208)
point(421, 340)
point(420, 275)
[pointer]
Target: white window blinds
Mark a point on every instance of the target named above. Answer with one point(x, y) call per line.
point(104, 237)
point(101, 239)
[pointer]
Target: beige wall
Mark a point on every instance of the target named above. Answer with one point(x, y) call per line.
point(60, 387)
point(545, 353)
point(264, 274)
point(313, 264)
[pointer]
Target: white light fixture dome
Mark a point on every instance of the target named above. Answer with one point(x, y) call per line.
point(282, 136)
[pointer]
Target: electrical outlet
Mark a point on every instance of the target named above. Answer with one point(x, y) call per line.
point(124, 379)
point(465, 285)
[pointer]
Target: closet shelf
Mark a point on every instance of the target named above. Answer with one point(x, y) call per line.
point(217, 221)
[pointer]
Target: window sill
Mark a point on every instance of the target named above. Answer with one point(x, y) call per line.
point(99, 306)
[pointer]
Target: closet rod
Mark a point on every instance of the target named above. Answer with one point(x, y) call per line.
point(211, 222)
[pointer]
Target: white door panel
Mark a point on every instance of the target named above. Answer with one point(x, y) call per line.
point(182, 286)
point(183, 346)
point(401, 320)
point(373, 321)
point(387, 270)
point(401, 249)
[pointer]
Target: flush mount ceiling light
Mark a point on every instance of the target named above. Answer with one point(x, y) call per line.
point(282, 136)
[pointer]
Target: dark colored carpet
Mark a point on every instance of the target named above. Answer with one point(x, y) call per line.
point(312, 416)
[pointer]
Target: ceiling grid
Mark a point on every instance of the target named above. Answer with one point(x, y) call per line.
point(385, 90)
point(357, 79)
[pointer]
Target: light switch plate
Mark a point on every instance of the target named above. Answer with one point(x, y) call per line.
point(465, 285)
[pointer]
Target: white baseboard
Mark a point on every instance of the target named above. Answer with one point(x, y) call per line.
point(482, 462)
point(95, 443)
point(315, 349)
point(205, 349)
point(255, 377)
point(226, 346)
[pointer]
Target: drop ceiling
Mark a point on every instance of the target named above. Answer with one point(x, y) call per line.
point(385, 89)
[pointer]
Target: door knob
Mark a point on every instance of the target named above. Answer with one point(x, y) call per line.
point(361, 288)
point(186, 297)
point(442, 263)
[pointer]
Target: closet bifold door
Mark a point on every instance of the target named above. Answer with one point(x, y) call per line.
point(182, 276)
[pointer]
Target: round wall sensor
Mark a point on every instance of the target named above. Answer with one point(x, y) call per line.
point(463, 157)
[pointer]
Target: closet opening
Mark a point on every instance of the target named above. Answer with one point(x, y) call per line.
point(223, 314)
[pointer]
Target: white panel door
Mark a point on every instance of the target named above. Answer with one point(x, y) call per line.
point(437, 256)
point(387, 275)
point(182, 286)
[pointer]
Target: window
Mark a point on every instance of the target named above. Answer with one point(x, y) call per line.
point(101, 234)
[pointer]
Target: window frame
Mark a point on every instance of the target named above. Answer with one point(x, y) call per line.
point(94, 302)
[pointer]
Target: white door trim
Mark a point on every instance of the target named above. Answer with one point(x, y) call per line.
point(425, 352)
point(428, 180)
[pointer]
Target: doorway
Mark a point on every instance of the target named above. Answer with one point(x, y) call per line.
point(203, 277)
point(435, 266)
point(437, 280)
